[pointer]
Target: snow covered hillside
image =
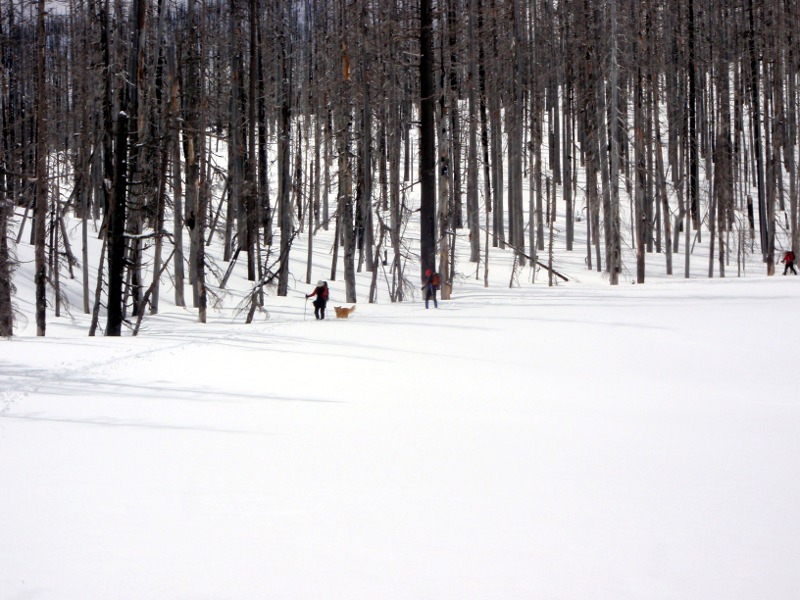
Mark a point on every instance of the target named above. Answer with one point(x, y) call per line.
point(579, 441)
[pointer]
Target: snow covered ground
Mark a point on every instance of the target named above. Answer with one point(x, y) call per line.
point(580, 441)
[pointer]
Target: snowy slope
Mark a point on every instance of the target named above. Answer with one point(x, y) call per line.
point(579, 441)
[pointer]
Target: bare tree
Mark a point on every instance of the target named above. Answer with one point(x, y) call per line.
point(40, 211)
point(6, 288)
point(427, 140)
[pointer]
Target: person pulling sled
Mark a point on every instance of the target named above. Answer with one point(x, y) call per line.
point(321, 293)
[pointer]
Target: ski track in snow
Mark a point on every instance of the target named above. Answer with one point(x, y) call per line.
point(75, 374)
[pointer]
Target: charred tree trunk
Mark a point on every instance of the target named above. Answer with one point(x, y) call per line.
point(116, 230)
point(284, 149)
point(473, 206)
point(755, 115)
point(427, 141)
point(40, 209)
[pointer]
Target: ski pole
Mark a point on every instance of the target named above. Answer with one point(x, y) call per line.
point(305, 308)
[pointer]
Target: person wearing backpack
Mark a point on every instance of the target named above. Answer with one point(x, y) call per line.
point(788, 260)
point(321, 293)
point(431, 283)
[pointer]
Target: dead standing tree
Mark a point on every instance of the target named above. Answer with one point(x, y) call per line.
point(40, 210)
point(284, 141)
point(427, 140)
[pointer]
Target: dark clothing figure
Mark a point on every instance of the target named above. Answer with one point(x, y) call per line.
point(430, 288)
point(321, 293)
point(788, 260)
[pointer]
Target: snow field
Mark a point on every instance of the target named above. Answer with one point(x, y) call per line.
point(568, 442)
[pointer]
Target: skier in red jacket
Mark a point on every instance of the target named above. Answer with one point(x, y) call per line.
point(788, 260)
point(321, 293)
point(431, 281)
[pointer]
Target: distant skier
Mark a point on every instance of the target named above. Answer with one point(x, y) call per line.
point(431, 283)
point(321, 293)
point(788, 260)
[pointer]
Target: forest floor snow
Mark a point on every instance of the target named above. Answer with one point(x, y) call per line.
point(580, 441)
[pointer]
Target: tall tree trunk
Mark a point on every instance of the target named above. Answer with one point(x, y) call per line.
point(345, 210)
point(427, 141)
point(6, 313)
point(284, 149)
point(567, 165)
point(444, 214)
point(661, 183)
point(116, 230)
point(395, 208)
point(251, 205)
point(694, 163)
point(196, 194)
point(615, 258)
point(791, 147)
point(265, 206)
point(515, 135)
point(366, 145)
point(723, 162)
point(473, 207)
point(487, 161)
point(40, 212)
point(237, 181)
point(755, 115)
point(177, 183)
point(640, 216)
